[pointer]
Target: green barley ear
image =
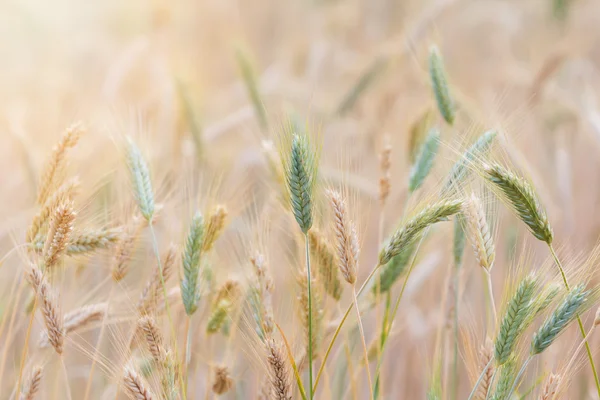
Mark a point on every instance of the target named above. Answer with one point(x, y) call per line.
point(418, 132)
point(439, 82)
point(364, 82)
point(218, 316)
point(517, 312)
point(460, 169)
point(251, 82)
point(523, 200)
point(140, 179)
point(505, 382)
point(460, 239)
point(564, 314)
point(300, 173)
point(408, 233)
point(190, 292)
point(391, 271)
point(424, 161)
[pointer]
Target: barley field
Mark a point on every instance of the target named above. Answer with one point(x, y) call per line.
point(303, 199)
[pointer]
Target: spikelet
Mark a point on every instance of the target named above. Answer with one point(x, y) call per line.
point(59, 233)
point(214, 227)
point(479, 232)
point(50, 310)
point(505, 382)
point(459, 240)
point(439, 83)
point(317, 313)
point(346, 237)
point(140, 180)
point(190, 292)
point(32, 384)
point(151, 292)
point(260, 297)
point(391, 271)
point(326, 262)
point(251, 82)
point(517, 312)
point(62, 195)
point(550, 387)
point(92, 240)
point(485, 355)
point(48, 179)
point(154, 338)
point(300, 175)
point(460, 169)
point(279, 371)
point(523, 200)
point(169, 377)
point(384, 167)
point(222, 382)
point(424, 161)
point(418, 130)
point(218, 316)
point(135, 386)
point(78, 319)
point(408, 233)
point(124, 249)
point(555, 324)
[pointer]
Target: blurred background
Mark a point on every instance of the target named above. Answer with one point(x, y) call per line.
point(205, 87)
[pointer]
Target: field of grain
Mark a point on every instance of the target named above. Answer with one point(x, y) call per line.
point(304, 199)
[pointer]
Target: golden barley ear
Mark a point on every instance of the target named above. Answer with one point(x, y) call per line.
point(222, 382)
point(79, 319)
point(479, 232)
point(135, 386)
point(31, 386)
point(279, 370)
point(346, 237)
point(59, 233)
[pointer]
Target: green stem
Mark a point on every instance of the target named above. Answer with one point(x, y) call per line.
point(310, 344)
point(581, 328)
point(480, 378)
point(490, 292)
point(519, 375)
point(454, 390)
point(382, 339)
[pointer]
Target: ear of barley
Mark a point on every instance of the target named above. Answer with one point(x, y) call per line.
point(48, 179)
point(485, 355)
point(555, 324)
point(301, 172)
point(505, 382)
point(384, 167)
point(190, 291)
point(550, 387)
point(523, 200)
point(62, 195)
point(460, 169)
point(439, 83)
point(327, 270)
point(59, 233)
point(135, 387)
point(140, 180)
point(92, 240)
point(31, 386)
point(124, 250)
point(214, 227)
point(169, 377)
point(424, 161)
point(391, 271)
point(408, 233)
point(154, 338)
point(151, 292)
point(251, 82)
point(222, 382)
point(260, 297)
point(305, 316)
point(515, 317)
point(364, 82)
point(49, 307)
point(479, 232)
point(78, 319)
point(459, 239)
point(418, 132)
point(279, 370)
point(218, 316)
point(346, 237)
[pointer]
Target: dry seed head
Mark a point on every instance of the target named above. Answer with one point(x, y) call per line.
point(124, 249)
point(384, 167)
point(326, 262)
point(550, 387)
point(262, 302)
point(79, 319)
point(152, 290)
point(411, 230)
point(32, 384)
point(222, 382)
point(140, 180)
point(279, 370)
point(485, 355)
point(59, 233)
point(48, 179)
point(346, 237)
point(154, 338)
point(523, 200)
point(317, 311)
point(50, 310)
point(135, 387)
point(439, 82)
point(479, 232)
point(214, 227)
point(92, 240)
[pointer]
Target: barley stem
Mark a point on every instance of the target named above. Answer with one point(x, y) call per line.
point(480, 378)
point(581, 328)
point(519, 375)
point(66, 376)
point(490, 292)
point(26, 345)
point(575, 353)
point(364, 343)
point(310, 343)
